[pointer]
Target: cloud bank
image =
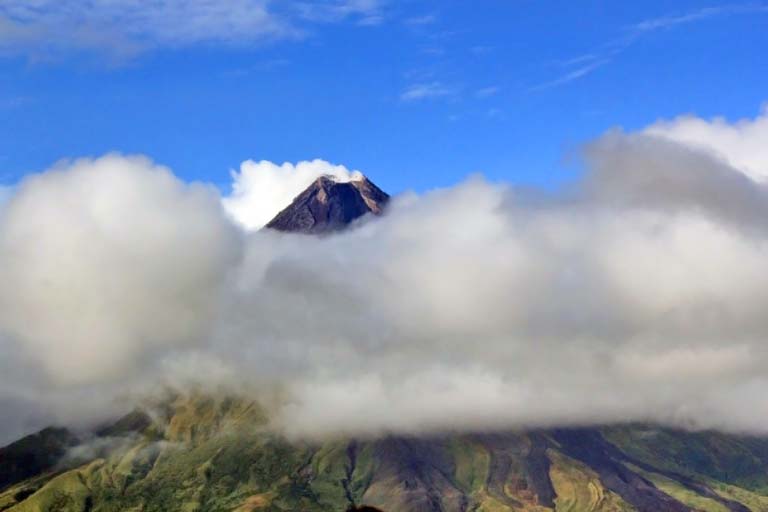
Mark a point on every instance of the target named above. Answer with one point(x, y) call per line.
point(637, 293)
point(105, 260)
point(741, 144)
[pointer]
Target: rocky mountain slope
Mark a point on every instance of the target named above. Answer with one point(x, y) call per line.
point(194, 452)
point(329, 205)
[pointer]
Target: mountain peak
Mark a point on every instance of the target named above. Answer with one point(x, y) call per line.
point(330, 204)
point(353, 177)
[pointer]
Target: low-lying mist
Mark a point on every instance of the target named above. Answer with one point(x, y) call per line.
point(637, 293)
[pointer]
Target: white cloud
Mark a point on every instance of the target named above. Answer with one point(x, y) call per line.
point(105, 261)
point(261, 189)
point(5, 194)
point(742, 144)
point(637, 294)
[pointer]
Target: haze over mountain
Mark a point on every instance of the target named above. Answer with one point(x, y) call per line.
point(206, 305)
point(190, 451)
point(640, 287)
point(217, 453)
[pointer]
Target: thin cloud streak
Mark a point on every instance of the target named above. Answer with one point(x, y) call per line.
point(665, 22)
point(424, 91)
point(339, 10)
point(123, 29)
point(487, 92)
point(428, 19)
point(571, 76)
point(614, 48)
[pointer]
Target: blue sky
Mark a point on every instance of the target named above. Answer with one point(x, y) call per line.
point(416, 94)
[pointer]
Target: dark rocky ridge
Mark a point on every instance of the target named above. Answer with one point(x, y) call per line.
point(34, 454)
point(328, 205)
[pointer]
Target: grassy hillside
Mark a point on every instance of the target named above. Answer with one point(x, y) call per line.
point(214, 454)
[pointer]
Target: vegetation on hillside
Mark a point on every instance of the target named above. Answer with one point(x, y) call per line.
point(203, 453)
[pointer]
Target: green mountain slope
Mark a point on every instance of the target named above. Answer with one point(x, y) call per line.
point(214, 454)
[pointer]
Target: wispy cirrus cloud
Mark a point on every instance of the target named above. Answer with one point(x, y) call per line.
point(673, 20)
point(122, 29)
point(583, 65)
point(427, 19)
point(572, 75)
point(14, 102)
point(579, 59)
point(424, 91)
point(487, 92)
point(368, 12)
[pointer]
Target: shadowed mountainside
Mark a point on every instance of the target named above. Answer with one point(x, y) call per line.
point(33, 454)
